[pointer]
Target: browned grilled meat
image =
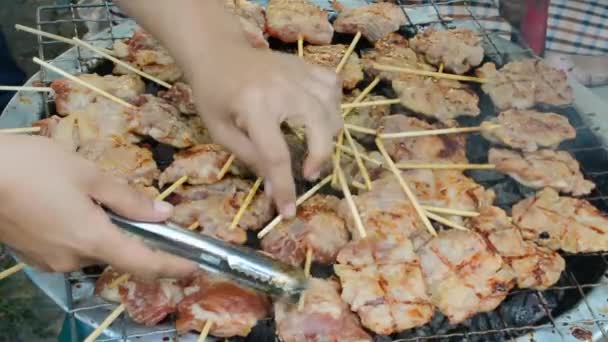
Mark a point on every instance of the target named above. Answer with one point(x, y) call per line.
point(180, 96)
point(253, 20)
point(464, 275)
point(559, 222)
point(444, 148)
point(201, 163)
point(234, 310)
point(534, 266)
point(543, 168)
point(146, 53)
point(330, 56)
point(71, 97)
point(458, 50)
point(522, 84)
point(528, 130)
point(370, 117)
point(287, 19)
point(316, 226)
point(441, 99)
point(375, 21)
point(324, 317)
point(383, 283)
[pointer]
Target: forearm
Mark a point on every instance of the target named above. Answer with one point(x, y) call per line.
point(195, 32)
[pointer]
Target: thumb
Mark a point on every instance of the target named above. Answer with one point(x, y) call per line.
point(128, 202)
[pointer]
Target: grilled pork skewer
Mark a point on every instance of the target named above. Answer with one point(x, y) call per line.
point(560, 222)
point(528, 130)
point(458, 50)
point(374, 21)
point(288, 20)
point(543, 168)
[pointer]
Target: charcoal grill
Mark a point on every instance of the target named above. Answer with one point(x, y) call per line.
point(575, 309)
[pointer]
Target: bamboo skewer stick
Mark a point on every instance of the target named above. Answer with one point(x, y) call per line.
point(440, 131)
point(246, 202)
point(382, 67)
point(445, 221)
point(106, 323)
point(415, 166)
point(194, 225)
point(119, 280)
point(11, 270)
point(370, 103)
point(300, 46)
point(83, 83)
point(226, 167)
point(19, 130)
point(34, 89)
point(360, 164)
point(205, 331)
point(360, 129)
point(440, 70)
point(348, 52)
point(54, 37)
point(363, 155)
point(351, 203)
point(308, 194)
point(307, 265)
point(362, 95)
point(447, 211)
point(124, 64)
point(172, 188)
point(337, 157)
point(406, 188)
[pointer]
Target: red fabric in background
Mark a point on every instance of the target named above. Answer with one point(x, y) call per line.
point(534, 25)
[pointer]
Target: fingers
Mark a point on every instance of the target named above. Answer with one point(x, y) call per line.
point(229, 136)
point(126, 201)
point(274, 153)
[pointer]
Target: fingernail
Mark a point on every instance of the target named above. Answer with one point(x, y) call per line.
point(289, 210)
point(163, 207)
point(267, 188)
point(314, 176)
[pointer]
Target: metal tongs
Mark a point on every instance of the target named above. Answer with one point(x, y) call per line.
point(238, 263)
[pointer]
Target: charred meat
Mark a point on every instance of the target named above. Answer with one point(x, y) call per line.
point(375, 21)
point(330, 56)
point(288, 19)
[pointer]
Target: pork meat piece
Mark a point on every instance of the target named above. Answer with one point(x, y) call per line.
point(180, 96)
point(158, 119)
point(386, 212)
point(534, 266)
point(102, 285)
point(71, 97)
point(214, 206)
point(383, 283)
point(147, 54)
point(464, 275)
point(234, 310)
point(525, 83)
point(201, 163)
point(62, 131)
point(458, 50)
point(543, 168)
point(559, 222)
point(287, 19)
point(528, 130)
point(440, 99)
point(392, 50)
point(375, 21)
point(105, 121)
point(316, 226)
point(329, 56)
point(149, 302)
point(252, 18)
point(324, 317)
point(445, 148)
point(129, 162)
point(448, 189)
point(370, 117)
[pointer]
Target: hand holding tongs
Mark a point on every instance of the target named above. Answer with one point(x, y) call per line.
point(241, 264)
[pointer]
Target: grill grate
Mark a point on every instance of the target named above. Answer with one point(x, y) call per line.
point(544, 310)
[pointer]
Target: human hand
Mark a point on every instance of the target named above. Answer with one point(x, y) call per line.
point(48, 215)
point(246, 96)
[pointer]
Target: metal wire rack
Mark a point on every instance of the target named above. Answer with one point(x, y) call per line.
point(67, 20)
